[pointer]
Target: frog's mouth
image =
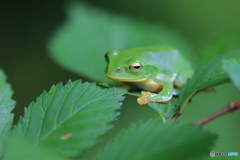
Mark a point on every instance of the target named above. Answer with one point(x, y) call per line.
point(128, 80)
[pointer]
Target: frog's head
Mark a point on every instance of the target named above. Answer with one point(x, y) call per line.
point(129, 66)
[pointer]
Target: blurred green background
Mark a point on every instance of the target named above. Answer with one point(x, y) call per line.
point(26, 26)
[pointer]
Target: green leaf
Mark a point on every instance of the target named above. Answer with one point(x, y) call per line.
point(82, 41)
point(6, 106)
point(165, 110)
point(70, 118)
point(232, 67)
point(153, 140)
point(208, 75)
point(21, 150)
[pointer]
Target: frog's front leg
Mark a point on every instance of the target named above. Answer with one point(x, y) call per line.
point(162, 97)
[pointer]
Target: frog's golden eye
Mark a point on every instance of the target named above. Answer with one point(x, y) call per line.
point(135, 67)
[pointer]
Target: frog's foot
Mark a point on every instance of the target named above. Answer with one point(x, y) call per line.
point(151, 97)
point(143, 100)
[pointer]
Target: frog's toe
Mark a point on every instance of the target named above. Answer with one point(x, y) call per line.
point(143, 100)
point(144, 93)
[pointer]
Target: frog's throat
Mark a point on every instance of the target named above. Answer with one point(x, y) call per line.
point(128, 80)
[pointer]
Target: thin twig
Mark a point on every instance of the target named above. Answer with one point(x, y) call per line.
point(230, 108)
point(175, 117)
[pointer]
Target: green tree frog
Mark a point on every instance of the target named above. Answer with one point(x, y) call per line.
point(157, 70)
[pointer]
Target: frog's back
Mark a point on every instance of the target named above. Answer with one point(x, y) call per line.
point(167, 58)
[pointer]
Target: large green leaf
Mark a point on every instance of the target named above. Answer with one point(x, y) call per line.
point(80, 44)
point(23, 150)
point(232, 67)
point(6, 106)
point(154, 140)
point(208, 75)
point(70, 118)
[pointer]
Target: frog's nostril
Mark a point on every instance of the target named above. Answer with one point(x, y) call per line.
point(118, 69)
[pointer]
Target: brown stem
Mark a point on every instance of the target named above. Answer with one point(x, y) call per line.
point(230, 108)
point(175, 117)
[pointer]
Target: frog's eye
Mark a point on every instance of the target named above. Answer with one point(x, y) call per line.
point(135, 67)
